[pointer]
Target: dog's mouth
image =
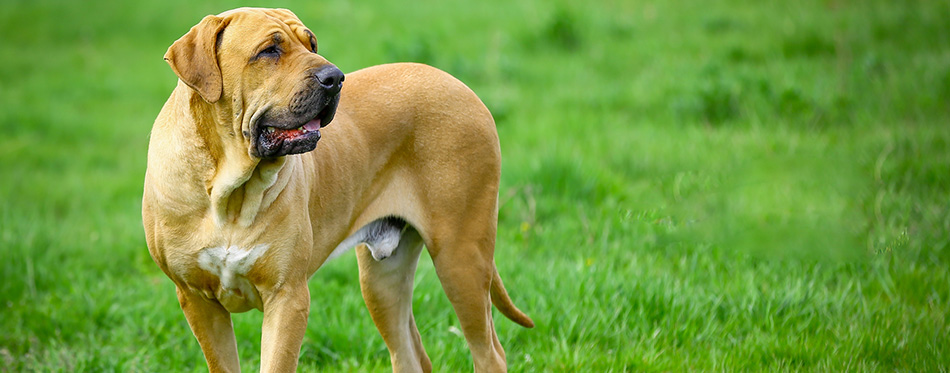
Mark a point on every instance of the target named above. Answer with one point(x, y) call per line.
point(275, 140)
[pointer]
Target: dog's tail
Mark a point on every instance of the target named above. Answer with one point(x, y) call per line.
point(501, 300)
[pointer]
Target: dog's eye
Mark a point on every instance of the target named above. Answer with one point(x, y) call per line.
point(271, 51)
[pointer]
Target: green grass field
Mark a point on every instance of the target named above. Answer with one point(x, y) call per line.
point(688, 185)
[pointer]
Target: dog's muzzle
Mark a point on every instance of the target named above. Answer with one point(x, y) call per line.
point(296, 129)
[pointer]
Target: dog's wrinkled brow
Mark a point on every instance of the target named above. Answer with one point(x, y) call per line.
point(274, 41)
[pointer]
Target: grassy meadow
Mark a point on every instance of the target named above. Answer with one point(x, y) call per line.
point(687, 185)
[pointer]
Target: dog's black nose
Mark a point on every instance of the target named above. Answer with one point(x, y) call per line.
point(331, 78)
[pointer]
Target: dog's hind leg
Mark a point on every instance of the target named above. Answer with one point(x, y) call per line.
point(211, 324)
point(465, 269)
point(387, 289)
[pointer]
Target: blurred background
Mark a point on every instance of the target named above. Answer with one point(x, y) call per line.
point(687, 185)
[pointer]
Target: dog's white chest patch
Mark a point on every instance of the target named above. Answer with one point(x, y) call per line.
point(231, 265)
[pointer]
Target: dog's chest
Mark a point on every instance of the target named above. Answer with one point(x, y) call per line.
point(231, 265)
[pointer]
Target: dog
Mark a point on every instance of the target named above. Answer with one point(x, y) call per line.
point(248, 192)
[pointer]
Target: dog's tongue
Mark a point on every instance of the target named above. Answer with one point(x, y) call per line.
point(312, 125)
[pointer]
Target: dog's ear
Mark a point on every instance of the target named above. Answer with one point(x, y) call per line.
point(193, 58)
point(307, 37)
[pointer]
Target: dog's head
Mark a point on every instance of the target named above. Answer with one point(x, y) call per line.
point(260, 71)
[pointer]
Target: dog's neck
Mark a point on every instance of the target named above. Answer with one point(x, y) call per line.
point(240, 186)
point(239, 192)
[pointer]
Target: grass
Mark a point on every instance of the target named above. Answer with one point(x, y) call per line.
point(687, 185)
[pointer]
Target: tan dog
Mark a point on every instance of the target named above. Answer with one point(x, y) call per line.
point(240, 210)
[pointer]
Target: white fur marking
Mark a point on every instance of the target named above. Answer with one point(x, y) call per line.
point(231, 265)
point(228, 262)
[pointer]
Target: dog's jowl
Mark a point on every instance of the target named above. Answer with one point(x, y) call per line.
point(266, 160)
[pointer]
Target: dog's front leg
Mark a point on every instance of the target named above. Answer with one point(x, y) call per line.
point(285, 321)
point(211, 324)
